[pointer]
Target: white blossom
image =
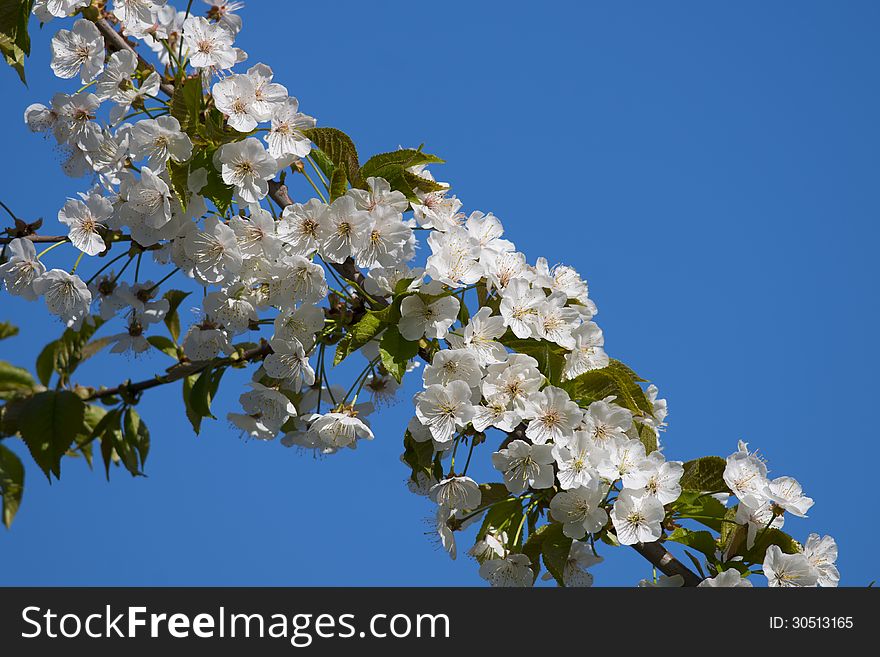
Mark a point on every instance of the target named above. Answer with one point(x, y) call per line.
point(579, 510)
point(80, 50)
point(66, 296)
point(444, 409)
point(21, 268)
point(432, 319)
point(637, 518)
point(726, 579)
point(525, 466)
point(83, 219)
point(246, 166)
point(456, 492)
point(788, 570)
point(512, 571)
point(159, 139)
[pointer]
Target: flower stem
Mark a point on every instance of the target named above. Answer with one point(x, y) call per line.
point(49, 248)
point(76, 264)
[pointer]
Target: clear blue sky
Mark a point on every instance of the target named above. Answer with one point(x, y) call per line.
point(710, 168)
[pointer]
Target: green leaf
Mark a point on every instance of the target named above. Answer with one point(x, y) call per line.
point(338, 184)
point(418, 456)
point(491, 493)
point(203, 391)
point(506, 514)
point(555, 549)
point(416, 181)
point(179, 174)
point(396, 352)
point(11, 483)
point(48, 423)
point(136, 434)
point(7, 330)
point(92, 419)
point(733, 536)
point(550, 357)
point(648, 437)
point(700, 507)
point(770, 537)
point(701, 540)
point(705, 474)
point(46, 361)
point(69, 351)
point(163, 344)
point(172, 319)
point(385, 164)
point(339, 149)
point(616, 379)
point(109, 433)
point(186, 105)
point(393, 168)
point(532, 549)
point(15, 43)
point(14, 381)
point(324, 163)
point(370, 325)
point(215, 190)
point(195, 419)
point(218, 133)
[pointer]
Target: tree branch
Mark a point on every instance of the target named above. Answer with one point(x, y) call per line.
point(666, 563)
point(181, 371)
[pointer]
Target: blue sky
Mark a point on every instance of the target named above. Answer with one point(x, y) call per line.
point(710, 168)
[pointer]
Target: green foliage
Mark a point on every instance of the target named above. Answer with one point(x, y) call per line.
point(64, 355)
point(532, 549)
point(179, 174)
point(198, 391)
point(555, 548)
point(705, 474)
point(338, 183)
point(648, 437)
point(420, 457)
point(14, 381)
point(48, 423)
point(504, 515)
point(15, 43)
point(7, 330)
point(384, 165)
point(186, 105)
point(124, 439)
point(369, 326)
point(765, 539)
point(11, 483)
point(136, 434)
point(616, 379)
point(324, 163)
point(338, 148)
point(700, 507)
point(393, 168)
point(550, 357)
point(396, 352)
point(172, 319)
point(701, 540)
point(215, 190)
point(491, 493)
point(216, 132)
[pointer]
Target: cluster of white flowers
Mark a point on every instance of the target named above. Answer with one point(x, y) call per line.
point(763, 504)
point(587, 465)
